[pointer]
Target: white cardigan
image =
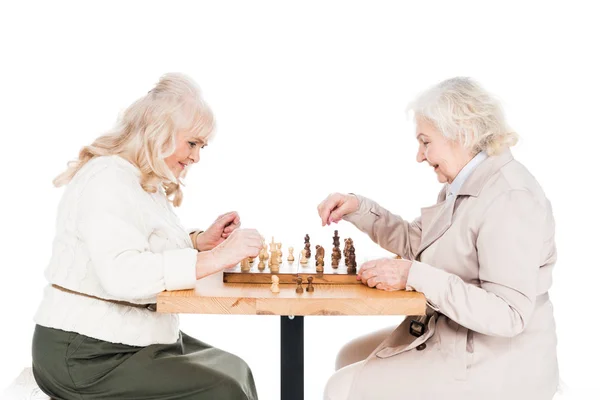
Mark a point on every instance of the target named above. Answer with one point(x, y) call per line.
point(115, 241)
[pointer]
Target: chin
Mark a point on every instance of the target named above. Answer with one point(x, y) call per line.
point(441, 178)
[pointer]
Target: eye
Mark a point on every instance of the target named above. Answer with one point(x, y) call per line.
point(425, 143)
point(192, 144)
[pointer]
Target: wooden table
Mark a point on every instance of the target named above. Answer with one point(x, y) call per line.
point(212, 296)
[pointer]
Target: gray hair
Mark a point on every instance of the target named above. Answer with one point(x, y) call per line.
point(465, 112)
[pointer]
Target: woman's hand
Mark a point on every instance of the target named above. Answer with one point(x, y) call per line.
point(385, 273)
point(335, 206)
point(220, 230)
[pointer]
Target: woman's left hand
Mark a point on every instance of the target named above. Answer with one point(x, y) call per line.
point(385, 273)
point(218, 231)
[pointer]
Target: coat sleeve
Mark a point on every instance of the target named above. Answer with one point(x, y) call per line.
point(509, 248)
point(388, 230)
point(111, 225)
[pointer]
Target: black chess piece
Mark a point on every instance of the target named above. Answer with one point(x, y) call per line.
point(299, 288)
point(310, 288)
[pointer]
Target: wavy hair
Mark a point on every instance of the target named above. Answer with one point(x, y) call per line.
point(463, 111)
point(145, 134)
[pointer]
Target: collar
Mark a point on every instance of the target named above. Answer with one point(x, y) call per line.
point(464, 174)
point(488, 167)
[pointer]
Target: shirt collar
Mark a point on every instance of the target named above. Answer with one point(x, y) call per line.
point(464, 173)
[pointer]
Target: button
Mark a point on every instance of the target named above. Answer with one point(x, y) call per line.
point(416, 328)
point(421, 347)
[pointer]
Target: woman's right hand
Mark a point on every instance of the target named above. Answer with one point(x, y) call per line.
point(335, 206)
point(242, 243)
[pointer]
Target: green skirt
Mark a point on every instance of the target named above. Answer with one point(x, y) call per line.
point(67, 365)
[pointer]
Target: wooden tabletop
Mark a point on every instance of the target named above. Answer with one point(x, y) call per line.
point(213, 296)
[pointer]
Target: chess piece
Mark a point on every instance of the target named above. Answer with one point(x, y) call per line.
point(307, 248)
point(320, 255)
point(261, 265)
point(335, 253)
point(274, 268)
point(264, 254)
point(303, 259)
point(320, 264)
point(274, 284)
point(273, 245)
point(317, 251)
point(307, 245)
point(351, 260)
point(335, 261)
point(299, 288)
point(349, 244)
point(291, 255)
point(279, 253)
point(310, 288)
point(245, 265)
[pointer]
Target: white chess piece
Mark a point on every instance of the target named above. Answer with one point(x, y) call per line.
point(274, 284)
point(303, 259)
point(291, 255)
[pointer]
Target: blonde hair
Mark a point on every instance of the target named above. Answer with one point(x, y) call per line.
point(146, 133)
point(463, 111)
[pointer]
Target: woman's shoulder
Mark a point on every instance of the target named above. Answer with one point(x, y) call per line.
point(514, 177)
point(111, 167)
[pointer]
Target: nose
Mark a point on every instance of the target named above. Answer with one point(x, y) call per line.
point(421, 155)
point(195, 154)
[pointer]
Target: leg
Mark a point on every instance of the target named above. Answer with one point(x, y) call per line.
point(339, 384)
point(68, 365)
point(292, 358)
point(360, 348)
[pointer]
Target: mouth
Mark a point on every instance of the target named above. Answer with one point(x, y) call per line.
point(182, 165)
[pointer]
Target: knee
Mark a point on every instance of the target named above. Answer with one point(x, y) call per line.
point(361, 347)
point(346, 355)
point(339, 384)
point(239, 385)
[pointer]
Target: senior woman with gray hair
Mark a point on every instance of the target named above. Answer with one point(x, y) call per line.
point(482, 256)
point(118, 244)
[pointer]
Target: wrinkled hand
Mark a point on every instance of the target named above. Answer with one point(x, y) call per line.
point(335, 206)
point(242, 243)
point(385, 273)
point(220, 230)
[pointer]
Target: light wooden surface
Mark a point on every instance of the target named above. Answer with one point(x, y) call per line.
point(213, 296)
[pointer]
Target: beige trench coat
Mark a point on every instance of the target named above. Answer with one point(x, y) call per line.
point(484, 261)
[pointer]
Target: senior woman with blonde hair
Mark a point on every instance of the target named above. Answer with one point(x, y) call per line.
point(482, 256)
point(118, 244)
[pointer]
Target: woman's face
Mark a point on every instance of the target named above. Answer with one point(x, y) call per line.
point(445, 156)
point(187, 152)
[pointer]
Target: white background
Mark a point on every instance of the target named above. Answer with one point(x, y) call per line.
point(309, 99)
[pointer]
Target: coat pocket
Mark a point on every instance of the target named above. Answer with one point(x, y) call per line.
point(461, 352)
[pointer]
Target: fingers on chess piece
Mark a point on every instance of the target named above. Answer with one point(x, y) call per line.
point(310, 288)
point(274, 284)
point(299, 288)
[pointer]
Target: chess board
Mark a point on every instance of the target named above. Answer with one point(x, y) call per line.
point(289, 271)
